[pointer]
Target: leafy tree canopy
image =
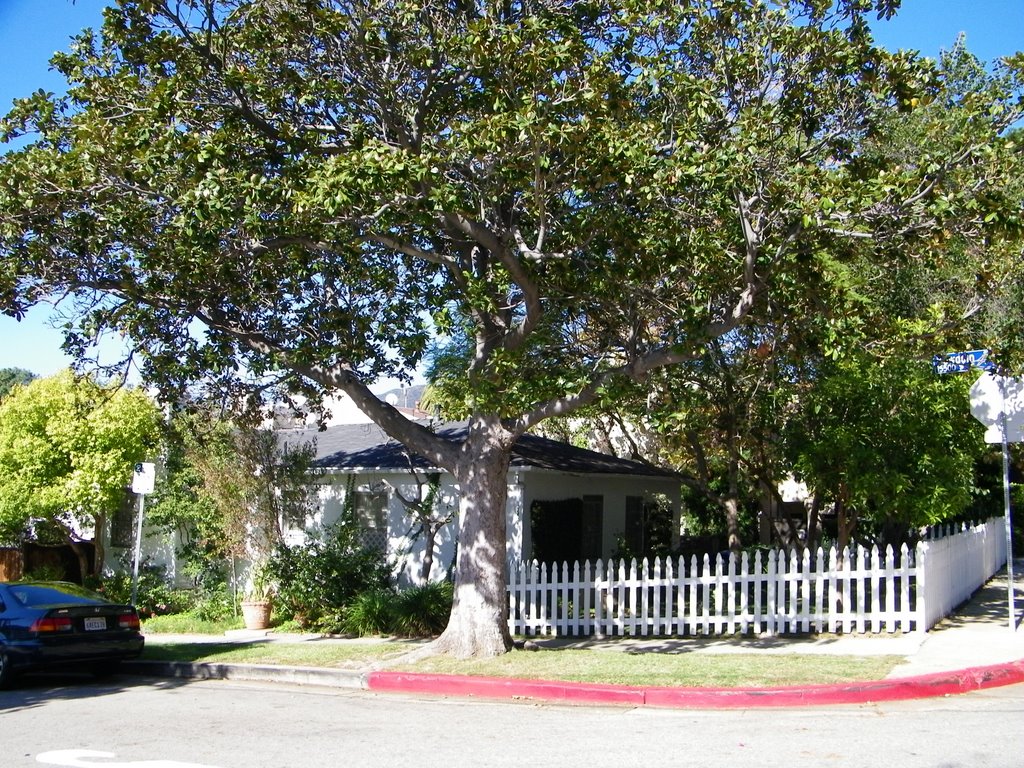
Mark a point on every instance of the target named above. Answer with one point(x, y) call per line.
point(891, 444)
point(229, 488)
point(599, 188)
point(67, 449)
point(12, 377)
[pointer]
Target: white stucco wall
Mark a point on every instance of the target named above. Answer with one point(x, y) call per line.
point(405, 544)
point(405, 550)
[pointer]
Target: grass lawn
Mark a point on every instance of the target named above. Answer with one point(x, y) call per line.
point(675, 669)
point(575, 665)
point(186, 623)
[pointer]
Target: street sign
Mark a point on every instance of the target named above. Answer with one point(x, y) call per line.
point(961, 362)
point(998, 401)
point(144, 477)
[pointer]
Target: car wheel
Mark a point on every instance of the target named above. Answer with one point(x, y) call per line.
point(6, 674)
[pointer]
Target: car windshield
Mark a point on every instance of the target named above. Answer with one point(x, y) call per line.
point(41, 595)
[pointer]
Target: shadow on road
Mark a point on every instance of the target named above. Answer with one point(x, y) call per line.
point(37, 689)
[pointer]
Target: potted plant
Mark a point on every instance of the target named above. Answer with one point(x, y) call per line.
point(258, 599)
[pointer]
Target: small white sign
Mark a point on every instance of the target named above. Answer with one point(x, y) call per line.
point(144, 477)
point(987, 402)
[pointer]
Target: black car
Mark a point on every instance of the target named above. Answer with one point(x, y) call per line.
point(52, 624)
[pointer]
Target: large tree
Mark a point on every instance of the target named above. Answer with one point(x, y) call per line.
point(304, 191)
point(230, 488)
point(888, 444)
point(13, 377)
point(67, 449)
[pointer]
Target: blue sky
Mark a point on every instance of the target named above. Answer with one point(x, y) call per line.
point(31, 30)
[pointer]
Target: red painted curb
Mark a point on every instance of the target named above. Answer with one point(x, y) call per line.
point(921, 686)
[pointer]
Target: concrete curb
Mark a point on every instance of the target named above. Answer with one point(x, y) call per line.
point(335, 678)
point(922, 686)
point(895, 689)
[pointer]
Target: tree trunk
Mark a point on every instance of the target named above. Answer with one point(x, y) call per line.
point(731, 506)
point(82, 556)
point(813, 506)
point(846, 522)
point(478, 625)
point(97, 538)
point(429, 537)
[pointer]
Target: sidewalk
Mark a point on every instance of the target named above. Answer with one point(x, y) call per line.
point(972, 649)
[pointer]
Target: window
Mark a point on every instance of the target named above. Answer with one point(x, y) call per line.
point(371, 515)
point(592, 528)
point(648, 530)
point(569, 530)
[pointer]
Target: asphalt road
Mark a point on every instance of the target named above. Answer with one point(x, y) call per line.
point(134, 723)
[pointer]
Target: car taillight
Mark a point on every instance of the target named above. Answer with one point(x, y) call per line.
point(52, 624)
point(128, 621)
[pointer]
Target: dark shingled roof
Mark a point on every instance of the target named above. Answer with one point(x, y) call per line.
point(365, 446)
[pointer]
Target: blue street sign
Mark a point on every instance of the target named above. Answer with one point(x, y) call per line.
point(960, 362)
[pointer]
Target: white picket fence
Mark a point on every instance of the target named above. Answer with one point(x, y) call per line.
point(778, 592)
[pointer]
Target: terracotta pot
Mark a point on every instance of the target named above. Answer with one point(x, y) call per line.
point(256, 613)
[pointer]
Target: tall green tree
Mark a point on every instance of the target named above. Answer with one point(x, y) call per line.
point(600, 188)
point(67, 449)
point(230, 489)
point(718, 420)
point(888, 444)
point(12, 377)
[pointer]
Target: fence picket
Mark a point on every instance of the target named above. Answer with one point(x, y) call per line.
point(744, 593)
point(799, 591)
point(681, 596)
point(819, 591)
point(805, 591)
point(906, 610)
point(705, 595)
point(694, 594)
point(847, 575)
point(833, 590)
point(861, 571)
point(792, 586)
point(757, 586)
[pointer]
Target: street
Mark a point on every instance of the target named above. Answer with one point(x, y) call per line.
point(136, 723)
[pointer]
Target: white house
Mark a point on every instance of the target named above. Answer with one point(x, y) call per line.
point(565, 502)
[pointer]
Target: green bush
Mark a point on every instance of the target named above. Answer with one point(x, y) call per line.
point(213, 602)
point(317, 581)
point(46, 573)
point(371, 613)
point(156, 595)
point(423, 611)
point(416, 612)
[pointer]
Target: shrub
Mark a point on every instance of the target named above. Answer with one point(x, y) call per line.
point(423, 611)
point(316, 581)
point(214, 602)
point(156, 595)
point(46, 572)
point(371, 613)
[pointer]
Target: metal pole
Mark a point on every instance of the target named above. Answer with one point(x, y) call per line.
point(1006, 506)
point(138, 548)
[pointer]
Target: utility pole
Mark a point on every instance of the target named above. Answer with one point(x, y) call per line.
point(143, 482)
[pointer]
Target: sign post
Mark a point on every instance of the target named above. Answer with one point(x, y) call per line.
point(989, 398)
point(143, 482)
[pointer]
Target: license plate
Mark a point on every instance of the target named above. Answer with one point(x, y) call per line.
point(95, 624)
